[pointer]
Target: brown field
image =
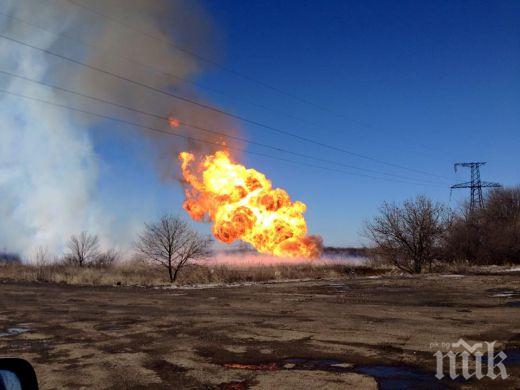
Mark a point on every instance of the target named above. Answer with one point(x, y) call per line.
point(137, 273)
point(357, 332)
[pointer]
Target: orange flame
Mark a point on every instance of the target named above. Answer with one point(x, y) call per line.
point(174, 122)
point(243, 205)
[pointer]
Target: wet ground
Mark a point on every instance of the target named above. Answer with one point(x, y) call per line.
point(374, 332)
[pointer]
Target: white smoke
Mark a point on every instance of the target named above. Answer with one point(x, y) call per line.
point(48, 168)
point(48, 165)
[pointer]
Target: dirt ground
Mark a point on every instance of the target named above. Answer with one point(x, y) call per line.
point(354, 333)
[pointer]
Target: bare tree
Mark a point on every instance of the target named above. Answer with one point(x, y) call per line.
point(171, 243)
point(106, 259)
point(409, 235)
point(489, 235)
point(83, 249)
point(500, 218)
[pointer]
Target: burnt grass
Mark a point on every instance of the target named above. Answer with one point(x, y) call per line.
point(361, 332)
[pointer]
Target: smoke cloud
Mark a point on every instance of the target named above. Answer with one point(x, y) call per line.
point(48, 165)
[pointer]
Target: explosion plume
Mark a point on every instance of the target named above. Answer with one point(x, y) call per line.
point(50, 176)
point(242, 205)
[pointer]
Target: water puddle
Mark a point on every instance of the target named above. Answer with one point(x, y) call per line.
point(513, 357)
point(387, 376)
point(400, 377)
point(13, 331)
point(339, 286)
point(407, 377)
point(503, 293)
point(507, 294)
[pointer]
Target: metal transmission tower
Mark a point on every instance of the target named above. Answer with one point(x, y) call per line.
point(475, 185)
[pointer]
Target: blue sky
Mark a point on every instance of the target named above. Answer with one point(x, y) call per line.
point(418, 84)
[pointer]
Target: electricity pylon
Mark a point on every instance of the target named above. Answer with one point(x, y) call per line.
point(475, 185)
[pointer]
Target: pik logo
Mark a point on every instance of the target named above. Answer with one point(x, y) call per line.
point(471, 358)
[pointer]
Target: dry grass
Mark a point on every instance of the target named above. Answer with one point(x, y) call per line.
point(461, 267)
point(129, 274)
point(139, 273)
point(142, 274)
point(464, 267)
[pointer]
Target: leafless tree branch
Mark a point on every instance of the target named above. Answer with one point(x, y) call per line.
point(409, 235)
point(171, 243)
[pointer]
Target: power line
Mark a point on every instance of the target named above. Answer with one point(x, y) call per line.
point(154, 129)
point(229, 70)
point(217, 110)
point(159, 71)
point(193, 54)
point(186, 124)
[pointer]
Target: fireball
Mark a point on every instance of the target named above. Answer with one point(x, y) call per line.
point(242, 205)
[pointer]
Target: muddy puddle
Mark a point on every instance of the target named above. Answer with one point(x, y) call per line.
point(13, 331)
point(339, 286)
point(401, 377)
point(513, 357)
point(387, 376)
point(503, 293)
point(508, 294)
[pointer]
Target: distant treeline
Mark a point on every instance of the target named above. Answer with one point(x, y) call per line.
point(10, 257)
point(420, 232)
point(346, 251)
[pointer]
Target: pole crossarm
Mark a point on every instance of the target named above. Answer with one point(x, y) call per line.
point(489, 184)
point(462, 185)
point(475, 184)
